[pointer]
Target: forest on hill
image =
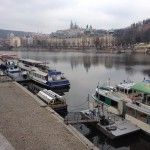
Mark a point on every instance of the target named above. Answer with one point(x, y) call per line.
point(4, 34)
point(136, 33)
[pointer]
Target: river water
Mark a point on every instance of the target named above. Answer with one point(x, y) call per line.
point(85, 70)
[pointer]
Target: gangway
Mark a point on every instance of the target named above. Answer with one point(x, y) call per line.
point(75, 118)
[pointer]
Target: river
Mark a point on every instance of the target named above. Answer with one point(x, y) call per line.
point(85, 70)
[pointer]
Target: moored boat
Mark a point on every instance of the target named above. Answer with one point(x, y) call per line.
point(52, 99)
point(132, 100)
point(42, 74)
point(110, 124)
point(107, 95)
point(139, 115)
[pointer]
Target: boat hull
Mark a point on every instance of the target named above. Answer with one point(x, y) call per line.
point(53, 84)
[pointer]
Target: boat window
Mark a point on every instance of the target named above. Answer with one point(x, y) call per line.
point(148, 99)
point(102, 98)
point(15, 67)
point(108, 101)
point(121, 90)
point(130, 91)
point(114, 104)
point(130, 111)
point(125, 91)
point(141, 116)
point(96, 94)
point(148, 119)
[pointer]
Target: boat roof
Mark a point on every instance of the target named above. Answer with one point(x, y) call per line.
point(54, 72)
point(106, 87)
point(125, 85)
point(110, 94)
point(39, 72)
point(142, 86)
point(32, 61)
point(139, 108)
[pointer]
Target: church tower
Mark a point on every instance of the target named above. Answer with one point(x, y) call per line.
point(71, 25)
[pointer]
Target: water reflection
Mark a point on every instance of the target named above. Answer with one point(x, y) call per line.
point(136, 141)
point(89, 60)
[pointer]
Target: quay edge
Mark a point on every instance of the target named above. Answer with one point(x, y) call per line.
point(9, 131)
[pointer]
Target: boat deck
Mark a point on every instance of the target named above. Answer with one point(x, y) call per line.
point(122, 126)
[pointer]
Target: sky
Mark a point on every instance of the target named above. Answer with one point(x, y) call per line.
point(46, 16)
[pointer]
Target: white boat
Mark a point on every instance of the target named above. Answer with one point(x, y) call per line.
point(13, 69)
point(110, 124)
point(139, 115)
point(125, 87)
point(42, 74)
point(52, 99)
point(132, 100)
point(107, 95)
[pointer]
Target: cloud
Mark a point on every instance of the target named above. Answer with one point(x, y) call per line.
point(48, 16)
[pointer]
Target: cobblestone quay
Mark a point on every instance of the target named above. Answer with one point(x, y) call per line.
point(24, 125)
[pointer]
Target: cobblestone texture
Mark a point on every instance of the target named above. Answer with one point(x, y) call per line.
point(27, 126)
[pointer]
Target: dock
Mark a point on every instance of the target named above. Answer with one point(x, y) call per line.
point(76, 118)
point(26, 125)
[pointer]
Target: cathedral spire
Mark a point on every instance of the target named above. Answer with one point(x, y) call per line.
point(71, 25)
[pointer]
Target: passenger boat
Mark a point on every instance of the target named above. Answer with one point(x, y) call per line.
point(107, 95)
point(52, 99)
point(110, 124)
point(11, 67)
point(139, 115)
point(9, 63)
point(132, 100)
point(40, 73)
point(125, 87)
point(115, 97)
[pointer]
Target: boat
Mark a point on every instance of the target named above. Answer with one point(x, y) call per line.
point(114, 97)
point(125, 87)
point(108, 123)
point(40, 73)
point(9, 63)
point(131, 100)
point(52, 99)
point(139, 115)
point(141, 90)
point(107, 95)
point(13, 69)
point(10, 66)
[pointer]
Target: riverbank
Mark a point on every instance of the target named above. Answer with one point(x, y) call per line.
point(92, 49)
point(27, 124)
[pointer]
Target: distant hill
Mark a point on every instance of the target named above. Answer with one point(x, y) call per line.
point(5, 33)
point(137, 33)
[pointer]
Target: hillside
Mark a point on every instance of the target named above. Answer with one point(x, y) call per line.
point(5, 33)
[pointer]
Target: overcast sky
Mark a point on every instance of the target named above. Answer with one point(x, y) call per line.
point(47, 16)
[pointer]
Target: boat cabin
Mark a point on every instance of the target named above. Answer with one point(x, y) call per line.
point(110, 98)
point(142, 92)
point(30, 62)
point(125, 87)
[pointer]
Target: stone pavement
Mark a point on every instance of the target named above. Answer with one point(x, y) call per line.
point(24, 125)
